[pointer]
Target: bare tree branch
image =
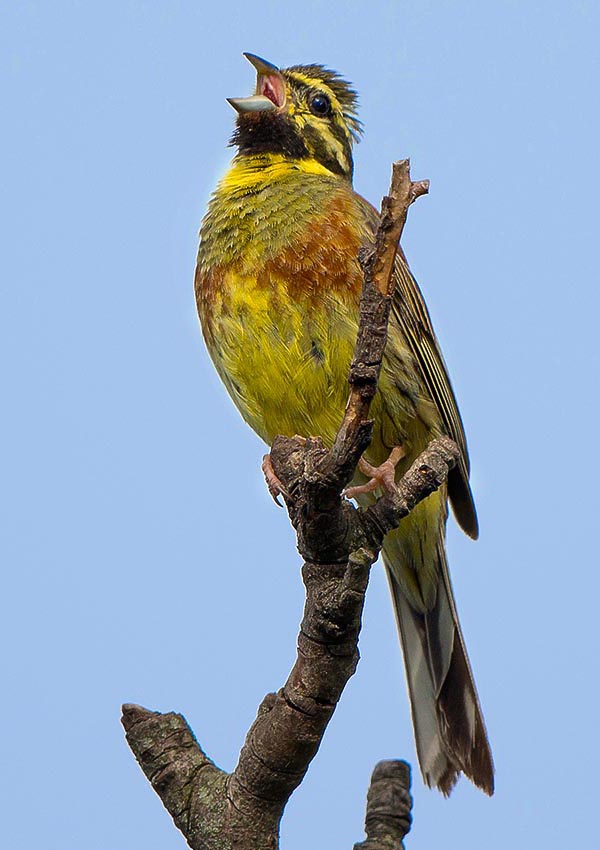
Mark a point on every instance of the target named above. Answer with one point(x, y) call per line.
point(389, 803)
point(339, 543)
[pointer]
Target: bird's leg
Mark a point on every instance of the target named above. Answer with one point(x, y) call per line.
point(383, 476)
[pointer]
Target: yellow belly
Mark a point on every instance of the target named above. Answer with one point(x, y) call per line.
point(284, 363)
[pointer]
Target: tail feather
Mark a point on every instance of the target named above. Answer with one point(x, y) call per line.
point(431, 752)
point(450, 733)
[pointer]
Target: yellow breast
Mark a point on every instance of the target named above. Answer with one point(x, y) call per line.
point(280, 327)
point(278, 285)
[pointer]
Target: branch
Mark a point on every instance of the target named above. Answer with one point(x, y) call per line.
point(339, 543)
point(389, 803)
point(376, 300)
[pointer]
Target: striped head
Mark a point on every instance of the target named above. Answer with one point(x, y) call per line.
point(302, 112)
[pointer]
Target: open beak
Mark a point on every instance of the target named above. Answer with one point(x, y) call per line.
point(270, 89)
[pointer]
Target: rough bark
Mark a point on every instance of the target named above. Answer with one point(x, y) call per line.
point(389, 803)
point(339, 543)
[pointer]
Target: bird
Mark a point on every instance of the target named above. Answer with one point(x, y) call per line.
point(277, 286)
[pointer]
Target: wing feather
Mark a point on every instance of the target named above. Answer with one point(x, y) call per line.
point(410, 313)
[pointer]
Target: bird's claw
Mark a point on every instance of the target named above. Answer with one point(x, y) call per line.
point(275, 486)
point(383, 476)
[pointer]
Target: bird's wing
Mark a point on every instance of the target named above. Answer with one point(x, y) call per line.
point(410, 312)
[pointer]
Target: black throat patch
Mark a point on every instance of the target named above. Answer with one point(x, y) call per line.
point(263, 132)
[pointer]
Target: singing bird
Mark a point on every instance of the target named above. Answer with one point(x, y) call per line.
point(277, 285)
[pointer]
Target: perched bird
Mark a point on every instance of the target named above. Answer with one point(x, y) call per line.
point(277, 286)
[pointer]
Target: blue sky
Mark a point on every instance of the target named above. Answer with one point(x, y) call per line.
point(143, 560)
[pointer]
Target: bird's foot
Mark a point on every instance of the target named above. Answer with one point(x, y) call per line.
point(276, 488)
point(383, 476)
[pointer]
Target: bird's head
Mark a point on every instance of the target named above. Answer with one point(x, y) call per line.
point(302, 112)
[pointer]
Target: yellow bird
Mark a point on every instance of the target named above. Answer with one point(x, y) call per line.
point(277, 286)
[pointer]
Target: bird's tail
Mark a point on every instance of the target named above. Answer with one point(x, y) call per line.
point(449, 729)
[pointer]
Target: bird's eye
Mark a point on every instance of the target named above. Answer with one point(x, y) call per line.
point(320, 105)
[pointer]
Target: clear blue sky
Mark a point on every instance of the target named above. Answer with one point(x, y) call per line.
point(143, 560)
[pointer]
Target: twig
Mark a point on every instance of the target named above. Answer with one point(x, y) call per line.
point(376, 299)
point(339, 543)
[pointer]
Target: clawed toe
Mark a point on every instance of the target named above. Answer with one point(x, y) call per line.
point(382, 476)
point(276, 488)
